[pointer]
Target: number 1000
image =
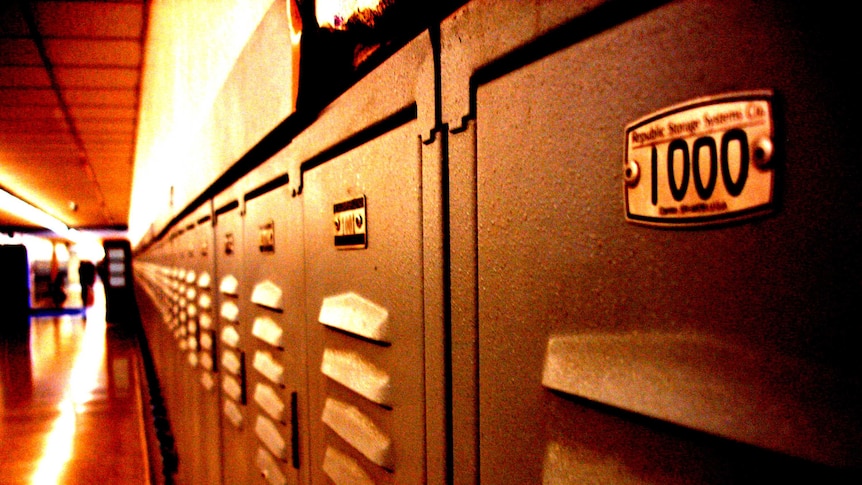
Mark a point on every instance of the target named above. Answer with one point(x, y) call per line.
point(691, 166)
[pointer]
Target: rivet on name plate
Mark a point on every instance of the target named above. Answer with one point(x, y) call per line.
point(762, 151)
point(632, 173)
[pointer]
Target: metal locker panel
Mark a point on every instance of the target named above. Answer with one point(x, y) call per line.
point(230, 284)
point(165, 348)
point(365, 313)
point(436, 289)
point(201, 287)
point(398, 88)
point(184, 399)
point(273, 263)
point(201, 410)
point(588, 324)
point(463, 291)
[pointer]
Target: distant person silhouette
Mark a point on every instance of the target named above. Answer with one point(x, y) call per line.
point(58, 289)
point(87, 275)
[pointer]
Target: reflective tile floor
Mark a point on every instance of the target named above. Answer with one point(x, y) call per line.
point(70, 407)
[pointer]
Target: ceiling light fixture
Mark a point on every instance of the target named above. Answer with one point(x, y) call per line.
point(18, 207)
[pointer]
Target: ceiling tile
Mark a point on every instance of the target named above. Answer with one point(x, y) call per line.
point(57, 152)
point(76, 77)
point(12, 23)
point(108, 138)
point(108, 151)
point(109, 147)
point(100, 153)
point(92, 128)
point(121, 165)
point(33, 126)
point(89, 19)
point(27, 96)
point(38, 153)
point(103, 113)
point(110, 167)
point(19, 52)
point(14, 139)
point(24, 77)
point(100, 97)
point(93, 53)
point(21, 142)
point(27, 113)
point(31, 161)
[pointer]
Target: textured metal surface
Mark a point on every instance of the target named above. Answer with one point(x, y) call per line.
point(276, 315)
point(660, 323)
point(350, 310)
point(357, 315)
point(236, 433)
point(360, 431)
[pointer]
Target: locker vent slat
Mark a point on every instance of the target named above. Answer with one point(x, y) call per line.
point(233, 414)
point(229, 285)
point(230, 336)
point(268, 400)
point(232, 388)
point(207, 381)
point(269, 468)
point(204, 280)
point(267, 294)
point(357, 374)
point(268, 330)
point(231, 362)
point(268, 367)
point(354, 314)
point(343, 470)
point(229, 311)
point(268, 434)
point(360, 431)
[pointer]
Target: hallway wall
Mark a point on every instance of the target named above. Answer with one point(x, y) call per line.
point(200, 59)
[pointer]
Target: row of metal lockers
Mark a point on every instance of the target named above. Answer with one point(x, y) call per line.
point(544, 242)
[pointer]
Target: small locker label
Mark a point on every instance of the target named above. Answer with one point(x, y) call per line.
point(267, 237)
point(351, 224)
point(228, 243)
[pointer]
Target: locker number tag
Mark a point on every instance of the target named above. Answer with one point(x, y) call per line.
point(351, 224)
point(703, 162)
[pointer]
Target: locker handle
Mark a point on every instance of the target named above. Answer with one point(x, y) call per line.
point(294, 430)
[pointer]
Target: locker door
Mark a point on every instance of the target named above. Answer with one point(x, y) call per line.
point(275, 346)
point(363, 262)
point(616, 353)
point(233, 339)
point(208, 460)
point(166, 350)
point(185, 402)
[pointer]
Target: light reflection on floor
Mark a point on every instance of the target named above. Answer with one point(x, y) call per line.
point(69, 407)
point(83, 380)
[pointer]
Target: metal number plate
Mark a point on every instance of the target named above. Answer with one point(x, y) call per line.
point(351, 224)
point(703, 162)
point(267, 237)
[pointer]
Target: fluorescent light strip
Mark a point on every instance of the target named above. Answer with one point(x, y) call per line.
point(18, 207)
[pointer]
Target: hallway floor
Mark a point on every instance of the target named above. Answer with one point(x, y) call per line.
point(70, 403)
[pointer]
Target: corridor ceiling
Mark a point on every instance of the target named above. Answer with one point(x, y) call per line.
point(70, 78)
